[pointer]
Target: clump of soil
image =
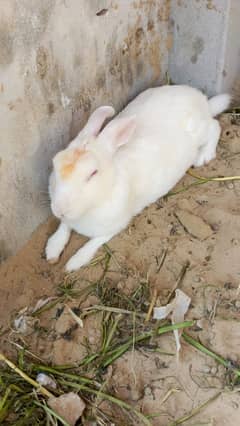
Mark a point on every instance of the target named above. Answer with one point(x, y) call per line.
point(196, 230)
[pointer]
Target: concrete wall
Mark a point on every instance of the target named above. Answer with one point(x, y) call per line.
point(206, 45)
point(59, 59)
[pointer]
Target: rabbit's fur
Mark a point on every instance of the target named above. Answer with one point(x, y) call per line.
point(104, 178)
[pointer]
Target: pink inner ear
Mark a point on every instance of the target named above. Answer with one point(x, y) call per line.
point(121, 135)
point(124, 131)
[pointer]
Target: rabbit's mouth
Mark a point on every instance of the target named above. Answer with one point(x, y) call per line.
point(58, 212)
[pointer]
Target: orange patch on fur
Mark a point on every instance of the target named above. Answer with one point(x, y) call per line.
point(69, 162)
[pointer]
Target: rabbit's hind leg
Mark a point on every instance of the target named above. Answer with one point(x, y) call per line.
point(207, 152)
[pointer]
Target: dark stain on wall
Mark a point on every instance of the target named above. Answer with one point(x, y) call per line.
point(101, 78)
point(82, 101)
point(42, 61)
point(6, 44)
point(198, 47)
point(150, 25)
point(50, 108)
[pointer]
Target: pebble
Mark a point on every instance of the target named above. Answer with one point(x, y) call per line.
point(215, 227)
point(214, 370)
point(69, 406)
point(206, 369)
point(147, 391)
point(197, 279)
point(230, 185)
point(45, 380)
point(237, 304)
point(135, 394)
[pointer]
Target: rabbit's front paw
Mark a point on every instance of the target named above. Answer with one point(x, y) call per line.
point(56, 243)
point(52, 250)
point(85, 254)
point(81, 258)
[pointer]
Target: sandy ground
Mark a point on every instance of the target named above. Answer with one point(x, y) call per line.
point(200, 226)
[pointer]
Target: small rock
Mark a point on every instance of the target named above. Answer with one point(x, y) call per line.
point(65, 322)
point(69, 406)
point(229, 185)
point(237, 304)
point(206, 369)
point(45, 380)
point(214, 370)
point(197, 279)
point(148, 391)
point(215, 227)
point(25, 324)
point(194, 225)
point(135, 394)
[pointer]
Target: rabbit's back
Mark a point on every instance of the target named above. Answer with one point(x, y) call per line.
point(172, 122)
point(167, 106)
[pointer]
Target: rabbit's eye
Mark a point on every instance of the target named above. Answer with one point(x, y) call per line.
point(92, 174)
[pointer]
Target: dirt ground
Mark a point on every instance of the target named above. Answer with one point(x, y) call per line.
point(200, 226)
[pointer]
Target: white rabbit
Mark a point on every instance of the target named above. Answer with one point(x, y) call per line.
point(104, 178)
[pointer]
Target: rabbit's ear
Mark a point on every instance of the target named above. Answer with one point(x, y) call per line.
point(118, 132)
point(96, 120)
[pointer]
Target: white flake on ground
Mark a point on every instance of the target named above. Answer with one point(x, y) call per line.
point(177, 308)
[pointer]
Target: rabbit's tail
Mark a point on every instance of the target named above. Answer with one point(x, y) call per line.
point(219, 103)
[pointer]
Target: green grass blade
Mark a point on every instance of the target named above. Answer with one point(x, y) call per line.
point(52, 412)
point(199, 346)
point(120, 350)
